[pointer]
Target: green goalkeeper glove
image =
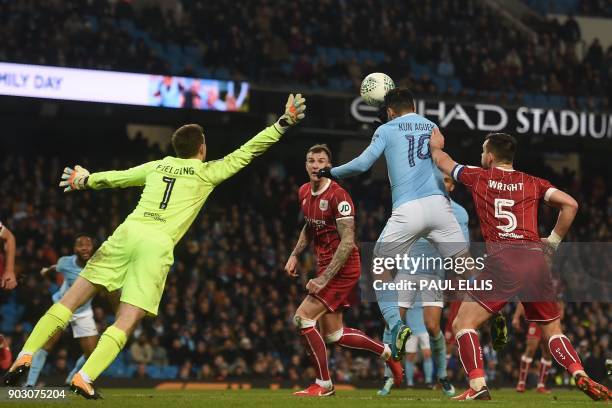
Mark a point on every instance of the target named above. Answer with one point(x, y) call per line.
point(74, 179)
point(294, 111)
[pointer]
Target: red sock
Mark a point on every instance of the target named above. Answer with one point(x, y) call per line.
point(356, 339)
point(564, 353)
point(470, 353)
point(316, 351)
point(525, 363)
point(544, 368)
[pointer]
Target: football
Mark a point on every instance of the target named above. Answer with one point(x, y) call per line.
point(374, 87)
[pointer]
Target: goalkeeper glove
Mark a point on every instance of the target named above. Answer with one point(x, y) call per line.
point(294, 111)
point(325, 172)
point(74, 179)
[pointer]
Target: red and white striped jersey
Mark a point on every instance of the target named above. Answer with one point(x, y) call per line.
point(506, 201)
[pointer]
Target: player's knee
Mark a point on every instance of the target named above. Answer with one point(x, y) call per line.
point(303, 323)
point(433, 328)
point(335, 336)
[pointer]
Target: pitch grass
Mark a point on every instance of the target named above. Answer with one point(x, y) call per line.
point(282, 398)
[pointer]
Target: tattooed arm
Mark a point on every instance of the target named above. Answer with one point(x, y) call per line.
point(346, 230)
point(302, 244)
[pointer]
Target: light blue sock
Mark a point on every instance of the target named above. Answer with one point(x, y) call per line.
point(79, 364)
point(387, 340)
point(390, 312)
point(428, 370)
point(438, 353)
point(409, 372)
point(38, 362)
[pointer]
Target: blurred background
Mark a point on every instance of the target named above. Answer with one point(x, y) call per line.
point(541, 70)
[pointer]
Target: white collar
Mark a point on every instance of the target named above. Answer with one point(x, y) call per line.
point(502, 169)
point(321, 191)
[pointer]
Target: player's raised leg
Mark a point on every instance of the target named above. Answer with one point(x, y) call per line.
point(54, 320)
point(565, 354)
point(470, 316)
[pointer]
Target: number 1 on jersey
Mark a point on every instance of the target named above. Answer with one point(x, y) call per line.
point(169, 186)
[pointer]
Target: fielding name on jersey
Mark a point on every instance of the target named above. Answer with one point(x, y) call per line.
point(419, 126)
point(180, 171)
point(498, 185)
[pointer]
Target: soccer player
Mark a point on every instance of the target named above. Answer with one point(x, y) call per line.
point(506, 202)
point(82, 321)
point(421, 208)
point(432, 300)
point(137, 257)
point(330, 224)
point(8, 281)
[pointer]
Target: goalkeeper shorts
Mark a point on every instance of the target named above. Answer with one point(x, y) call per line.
point(135, 259)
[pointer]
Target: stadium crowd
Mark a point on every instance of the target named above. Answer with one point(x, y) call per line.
point(227, 307)
point(450, 47)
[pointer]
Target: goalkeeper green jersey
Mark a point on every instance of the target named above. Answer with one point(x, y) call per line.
point(176, 189)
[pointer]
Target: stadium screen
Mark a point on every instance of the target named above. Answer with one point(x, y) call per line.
point(38, 81)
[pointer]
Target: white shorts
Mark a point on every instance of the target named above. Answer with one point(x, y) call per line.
point(429, 217)
point(83, 324)
point(416, 342)
point(428, 296)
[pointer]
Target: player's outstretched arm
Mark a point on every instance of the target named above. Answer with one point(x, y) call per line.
point(440, 158)
point(220, 170)
point(302, 244)
point(9, 279)
point(568, 207)
point(79, 178)
point(346, 230)
point(361, 163)
point(46, 270)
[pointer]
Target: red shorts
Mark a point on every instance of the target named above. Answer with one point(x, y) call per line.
point(534, 331)
point(518, 273)
point(343, 290)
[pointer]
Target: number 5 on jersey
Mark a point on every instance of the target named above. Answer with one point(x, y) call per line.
point(502, 214)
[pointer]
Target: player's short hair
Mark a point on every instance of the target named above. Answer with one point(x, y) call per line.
point(502, 145)
point(187, 140)
point(321, 147)
point(82, 235)
point(400, 99)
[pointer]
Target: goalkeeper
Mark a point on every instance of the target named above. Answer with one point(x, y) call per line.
point(137, 257)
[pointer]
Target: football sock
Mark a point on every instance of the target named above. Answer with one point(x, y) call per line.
point(564, 353)
point(356, 339)
point(56, 318)
point(409, 373)
point(317, 352)
point(525, 363)
point(387, 340)
point(438, 353)
point(390, 312)
point(110, 344)
point(428, 370)
point(544, 368)
point(470, 354)
point(38, 362)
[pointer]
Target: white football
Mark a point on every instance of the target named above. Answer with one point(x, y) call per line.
point(374, 87)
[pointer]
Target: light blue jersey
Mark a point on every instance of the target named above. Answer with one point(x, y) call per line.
point(405, 143)
point(68, 267)
point(423, 248)
point(414, 319)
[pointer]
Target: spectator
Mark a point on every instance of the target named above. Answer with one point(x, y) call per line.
point(141, 351)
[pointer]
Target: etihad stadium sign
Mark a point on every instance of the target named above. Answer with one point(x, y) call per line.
point(495, 118)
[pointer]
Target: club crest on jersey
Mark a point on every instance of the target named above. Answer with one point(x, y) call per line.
point(323, 205)
point(344, 208)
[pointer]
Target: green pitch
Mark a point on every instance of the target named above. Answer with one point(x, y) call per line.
point(282, 398)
